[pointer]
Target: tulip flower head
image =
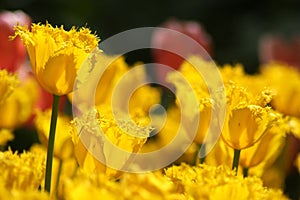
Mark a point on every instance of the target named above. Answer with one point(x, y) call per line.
point(93, 134)
point(56, 55)
point(247, 118)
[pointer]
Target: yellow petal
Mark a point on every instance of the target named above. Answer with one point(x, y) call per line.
point(245, 126)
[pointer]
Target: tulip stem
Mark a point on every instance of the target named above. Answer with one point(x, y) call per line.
point(200, 152)
point(196, 156)
point(236, 159)
point(51, 139)
point(245, 171)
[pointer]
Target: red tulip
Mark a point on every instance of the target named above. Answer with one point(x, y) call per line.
point(12, 53)
point(171, 40)
point(276, 48)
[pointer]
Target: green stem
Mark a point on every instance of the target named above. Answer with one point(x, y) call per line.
point(236, 159)
point(200, 154)
point(51, 139)
point(245, 171)
point(196, 156)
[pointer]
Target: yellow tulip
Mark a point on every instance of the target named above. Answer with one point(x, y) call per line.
point(19, 106)
point(143, 97)
point(245, 126)
point(114, 74)
point(266, 150)
point(8, 82)
point(247, 116)
point(96, 154)
point(194, 98)
point(284, 80)
point(56, 55)
point(204, 122)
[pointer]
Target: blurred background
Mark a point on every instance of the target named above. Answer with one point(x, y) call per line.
point(235, 27)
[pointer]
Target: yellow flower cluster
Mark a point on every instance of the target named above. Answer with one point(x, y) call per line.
point(94, 149)
point(21, 171)
point(208, 182)
point(250, 101)
point(131, 186)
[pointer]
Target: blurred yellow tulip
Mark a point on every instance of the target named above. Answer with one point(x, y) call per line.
point(284, 80)
point(19, 106)
point(98, 134)
point(8, 82)
point(63, 147)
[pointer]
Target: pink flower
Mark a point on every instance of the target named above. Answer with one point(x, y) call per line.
point(277, 48)
point(171, 40)
point(12, 53)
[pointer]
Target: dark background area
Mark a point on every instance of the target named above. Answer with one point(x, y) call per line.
point(235, 26)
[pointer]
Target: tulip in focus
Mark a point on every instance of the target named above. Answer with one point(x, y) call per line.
point(12, 53)
point(56, 55)
point(245, 126)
